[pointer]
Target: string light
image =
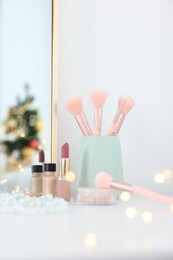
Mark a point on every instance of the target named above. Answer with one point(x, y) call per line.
point(17, 189)
point(3, 181)
point(130, 212)
point(22, 135)
point(90, 240)
point(40, 147)
point(20, 167)
point(147, 217)
point(125, 196)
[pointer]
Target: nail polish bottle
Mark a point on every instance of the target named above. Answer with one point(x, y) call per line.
point(49, 181)
point(36, 180)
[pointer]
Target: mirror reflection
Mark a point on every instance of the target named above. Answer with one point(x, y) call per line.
point(25, 60)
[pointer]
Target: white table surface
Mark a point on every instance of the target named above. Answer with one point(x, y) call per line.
point(63, 236)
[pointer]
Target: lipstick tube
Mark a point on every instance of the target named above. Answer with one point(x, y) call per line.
point(64, 189)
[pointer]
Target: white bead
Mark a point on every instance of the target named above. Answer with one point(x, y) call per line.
point(23, 204)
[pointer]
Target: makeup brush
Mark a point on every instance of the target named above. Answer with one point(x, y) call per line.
point(126, 109)
point(104, 181)
point(74, 105)
point(98, 98)
point(122, 100)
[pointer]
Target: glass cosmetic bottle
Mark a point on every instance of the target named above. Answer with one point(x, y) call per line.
point(36, 180)
point(49, 181)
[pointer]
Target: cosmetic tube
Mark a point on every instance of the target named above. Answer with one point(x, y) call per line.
point(41, 158)
point(49, 181)
point(36, 180)
point(64, 186)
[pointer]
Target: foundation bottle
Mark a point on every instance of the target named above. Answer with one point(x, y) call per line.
point(36, 180)
point(49, 180)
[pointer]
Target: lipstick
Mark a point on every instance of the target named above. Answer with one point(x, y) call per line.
point(64, 189)
point(41, 158)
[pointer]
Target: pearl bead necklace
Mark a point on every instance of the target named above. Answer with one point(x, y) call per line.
point(20, 203)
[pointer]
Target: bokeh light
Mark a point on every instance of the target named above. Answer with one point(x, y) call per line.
point(167, 174)
point(130, 212)
point(20, 166)
point(3, 181)
point(159, 178)
point(90, 240)
point(125, 196)
point(147, 217)
point(70, 176)
point(171, 207)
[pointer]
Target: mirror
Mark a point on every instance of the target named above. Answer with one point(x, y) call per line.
point(25, 58)
point(125, 47)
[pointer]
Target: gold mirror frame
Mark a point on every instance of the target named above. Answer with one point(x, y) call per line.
point(54, 82)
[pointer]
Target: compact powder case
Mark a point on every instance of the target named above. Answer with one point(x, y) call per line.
point(93, 196)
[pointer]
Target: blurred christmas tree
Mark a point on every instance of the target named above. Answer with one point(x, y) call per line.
point(22, 127)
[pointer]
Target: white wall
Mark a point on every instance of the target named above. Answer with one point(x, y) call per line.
point(25, 55)
point(126, 47)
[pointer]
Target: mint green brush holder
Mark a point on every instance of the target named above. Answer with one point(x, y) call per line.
point(97, 154)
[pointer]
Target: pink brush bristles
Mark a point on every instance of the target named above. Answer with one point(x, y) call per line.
point(103, 180)
point(125, 104)
point(98, 98)
point(122, 100)
point(126, 109)
point(74, 105)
